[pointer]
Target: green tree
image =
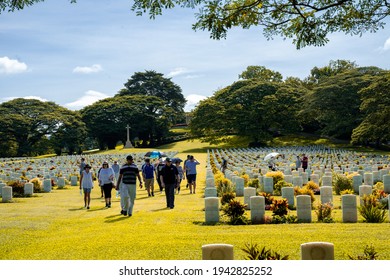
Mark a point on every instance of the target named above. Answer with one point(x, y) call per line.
point(249, 108)
point(147, 116)
point(334, 103)
point(261, 73)
point(376, 108)
point(29, 121)
point(333, 68)
point(151, 83)
point(307, 22)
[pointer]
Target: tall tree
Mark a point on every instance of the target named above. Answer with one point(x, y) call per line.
point(29, 121)
point(151, 83)
point(376, 109)
point(147, 116)
point(334, 67)
point(334, 103)
point(261, 73)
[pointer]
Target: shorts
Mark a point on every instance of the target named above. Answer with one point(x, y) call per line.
point(191, 178)
point(149, 183)
point(87, 190)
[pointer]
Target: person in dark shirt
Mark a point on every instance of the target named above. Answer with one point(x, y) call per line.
point(169, 178)
point(128, 177)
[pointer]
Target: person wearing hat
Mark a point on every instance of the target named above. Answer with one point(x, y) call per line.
point(169, 178)
point(190, 170)
point(127, 182)
point(86, 184)
point(106, 179)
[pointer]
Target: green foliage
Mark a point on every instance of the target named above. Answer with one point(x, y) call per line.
point(268, 198)
point(254, 183)
point(279, 207)
point(227, 197)
point(261, 73)
point(254, 253)
point(341, 183)
point(304, 191)
point(17, 188)
point(279, 185)
point(235, 210)
point(369, 253)
point(324, 212)
point(276, 175)
point(307, 24)
point(372, 210)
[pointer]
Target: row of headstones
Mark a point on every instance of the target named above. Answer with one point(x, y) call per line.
point(7, 194)
point(309, 251)
point(304, 207)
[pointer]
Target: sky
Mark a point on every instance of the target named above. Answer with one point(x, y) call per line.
point(77, 54)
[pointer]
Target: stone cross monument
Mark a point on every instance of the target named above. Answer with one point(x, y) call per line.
point(128, 143)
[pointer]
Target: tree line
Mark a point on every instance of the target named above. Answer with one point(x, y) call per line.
point(149, 103)
point(340, 100)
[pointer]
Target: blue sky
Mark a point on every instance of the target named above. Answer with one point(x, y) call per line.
point(76, 54)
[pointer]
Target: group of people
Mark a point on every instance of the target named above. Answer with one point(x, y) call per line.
point(169, 176)
point(301, 162)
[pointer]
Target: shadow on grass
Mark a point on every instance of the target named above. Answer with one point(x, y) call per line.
point(161, 209)
point(116, 218)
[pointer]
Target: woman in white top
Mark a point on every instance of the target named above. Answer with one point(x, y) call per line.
point(106, 179)
point(86, 184)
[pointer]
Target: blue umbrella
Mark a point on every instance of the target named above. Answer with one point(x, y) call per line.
point(155, 154)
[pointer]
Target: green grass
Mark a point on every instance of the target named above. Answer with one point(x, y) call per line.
point(54, 226)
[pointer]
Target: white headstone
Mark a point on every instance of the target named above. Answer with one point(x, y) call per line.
point(248, 192)
point(349, 208)
point(268, 184)
point(317, 251)
point(304, 208)
point(217, 252)
point(326, 194)
point(257, 204)
point(211, 209)
point(6, 194)
point(288, 193)
point(28, 189)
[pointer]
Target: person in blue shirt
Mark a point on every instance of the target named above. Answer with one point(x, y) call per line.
point(190, 171)
point(148, 175)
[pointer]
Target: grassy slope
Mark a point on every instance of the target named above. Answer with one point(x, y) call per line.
point(54, 226)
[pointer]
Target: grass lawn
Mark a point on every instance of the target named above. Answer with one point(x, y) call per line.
point(54, 226)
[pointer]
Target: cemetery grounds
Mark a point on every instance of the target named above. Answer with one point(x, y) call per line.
point(54, 226)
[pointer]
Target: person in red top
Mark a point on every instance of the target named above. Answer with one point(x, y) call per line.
point(305, 162)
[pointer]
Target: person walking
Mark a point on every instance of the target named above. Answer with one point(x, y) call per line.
point(184, 164)
point(223, 165)
point(115, 167)
point(298, 163)
point(86, 184)
point(181, 175)
point(127, 182)
point(148, 175)
point(190, 170)
point(106, 179)
point(158, 166)
point(169, 180)
point(305, 162)
point(82, 165)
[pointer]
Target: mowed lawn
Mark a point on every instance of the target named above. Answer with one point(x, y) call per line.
point(54, 226)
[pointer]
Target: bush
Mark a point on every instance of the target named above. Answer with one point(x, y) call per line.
point(304, 191)
point(254, 183)
point(279, 207)
point(341, 183)
point(268, 198)
point(324, 213)
point(348, 191)
point(253, 253)
point(37, 185)
point(369, 253)
point(246, 179)
point(227, 197)
point(17, 188)
point(279, 185)
point(235, 210)
point(277, 175)
point(372, 210)
point(224, 186)
point(312, 186)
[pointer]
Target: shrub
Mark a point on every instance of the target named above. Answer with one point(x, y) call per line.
point(268, 198)
point(254, 183)
point(227, 197)
point(348, 191)
point(369, 253)
point(340, 183)
point(312, 186)
point(223, 186)
point(372, 210)
point(17, 188)
point(246, 179)
point(279, 185)
point(235, 210)
point(324, 213)
point(279, 207)
point(277, 175)
point(254, 253)
point(304, 191)
point(37, 185)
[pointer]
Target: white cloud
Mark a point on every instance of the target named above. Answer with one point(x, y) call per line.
point(192, 101)
point(87, 70)
point(89, 98)
point(11, 66)
point(386, 46)
point(6, 99)
point(178, 71)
